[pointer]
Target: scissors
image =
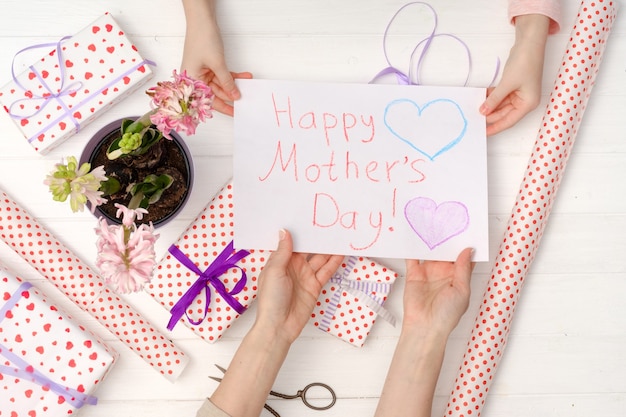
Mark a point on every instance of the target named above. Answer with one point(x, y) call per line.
point(302, 394)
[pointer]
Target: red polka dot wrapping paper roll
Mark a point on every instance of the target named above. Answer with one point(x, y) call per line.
point(563, 115)
point(202, 242)
point(29, 239)
point(74, 82)
point(49, 363)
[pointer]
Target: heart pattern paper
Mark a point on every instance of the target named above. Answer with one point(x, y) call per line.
point(49, 364)
point(75, 81)
point(56, 262)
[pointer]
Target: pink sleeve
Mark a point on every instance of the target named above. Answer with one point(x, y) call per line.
point(550, 8)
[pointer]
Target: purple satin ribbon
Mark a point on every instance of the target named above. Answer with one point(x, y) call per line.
point(51, 95)
point(224, 261)
point(412, 76)
point(23, 370)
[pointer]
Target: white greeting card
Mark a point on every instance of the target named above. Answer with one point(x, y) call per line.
point(370, 170)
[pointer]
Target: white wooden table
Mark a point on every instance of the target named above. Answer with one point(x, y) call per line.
point(565, 354)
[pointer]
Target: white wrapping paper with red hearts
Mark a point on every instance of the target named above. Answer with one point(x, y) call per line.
point(44, 252)
point(74, 82)
point(208, 236)
point(351, 301)
point(555, 139)
point(50, 365)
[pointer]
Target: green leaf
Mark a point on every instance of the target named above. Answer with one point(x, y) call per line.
point(155, 197)
point(131, 126)
point(110, 186)
point(151, 188)
point(125, 124)
point(115, 151)
point(164, 181)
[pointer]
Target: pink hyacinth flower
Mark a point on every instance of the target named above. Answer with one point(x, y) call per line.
point(180, 104)
point(126, 256)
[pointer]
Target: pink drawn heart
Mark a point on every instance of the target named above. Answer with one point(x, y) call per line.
point(436, 224)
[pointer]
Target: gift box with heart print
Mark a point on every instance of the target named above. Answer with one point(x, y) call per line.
point(77, 79)
point(353, 299)
point(49, 364)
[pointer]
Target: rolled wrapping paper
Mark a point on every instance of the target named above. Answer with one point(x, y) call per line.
point(81, 285)
point(530, 213)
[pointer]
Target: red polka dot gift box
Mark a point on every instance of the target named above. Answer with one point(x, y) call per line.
point(206, 283)
point(77, 78)
point(50, 365)
point(203, 281)
point(353, 299)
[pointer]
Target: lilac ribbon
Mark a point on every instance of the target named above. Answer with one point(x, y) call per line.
point(25, 371)
point(224, 261)
point(360, 289)
point(51, 95)
point(412, 76)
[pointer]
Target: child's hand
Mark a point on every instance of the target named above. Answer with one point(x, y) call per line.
point(519, 91)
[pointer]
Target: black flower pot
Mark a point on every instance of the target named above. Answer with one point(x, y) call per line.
point(165, 157)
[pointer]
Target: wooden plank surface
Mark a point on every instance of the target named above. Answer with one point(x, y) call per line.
point(565, 355)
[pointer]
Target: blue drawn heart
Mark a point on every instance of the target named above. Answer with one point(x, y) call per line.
point(405, 119)
point(436, 224)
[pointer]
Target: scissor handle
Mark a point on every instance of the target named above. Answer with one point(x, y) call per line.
point(302, 394)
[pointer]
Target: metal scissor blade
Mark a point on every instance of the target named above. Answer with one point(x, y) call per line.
point(214, 378)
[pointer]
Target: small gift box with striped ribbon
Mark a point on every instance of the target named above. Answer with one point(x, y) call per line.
point(353, 298)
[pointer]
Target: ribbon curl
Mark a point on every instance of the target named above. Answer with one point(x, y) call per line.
point(411, 77)
point(359, 289)
point(25, 371)
point(224, 261)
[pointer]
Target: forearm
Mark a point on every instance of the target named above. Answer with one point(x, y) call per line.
point(199, 12)
point(413, 374)
point(532, 29)
point(548, 8)
point(251, 373)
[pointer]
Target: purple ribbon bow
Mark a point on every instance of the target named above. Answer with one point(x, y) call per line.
point(23, 370)
point(224, 261)
point(57, 94)
point(50, 94)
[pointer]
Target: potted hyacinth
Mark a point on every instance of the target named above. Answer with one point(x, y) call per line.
point(143, 174)
point(146, 155)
